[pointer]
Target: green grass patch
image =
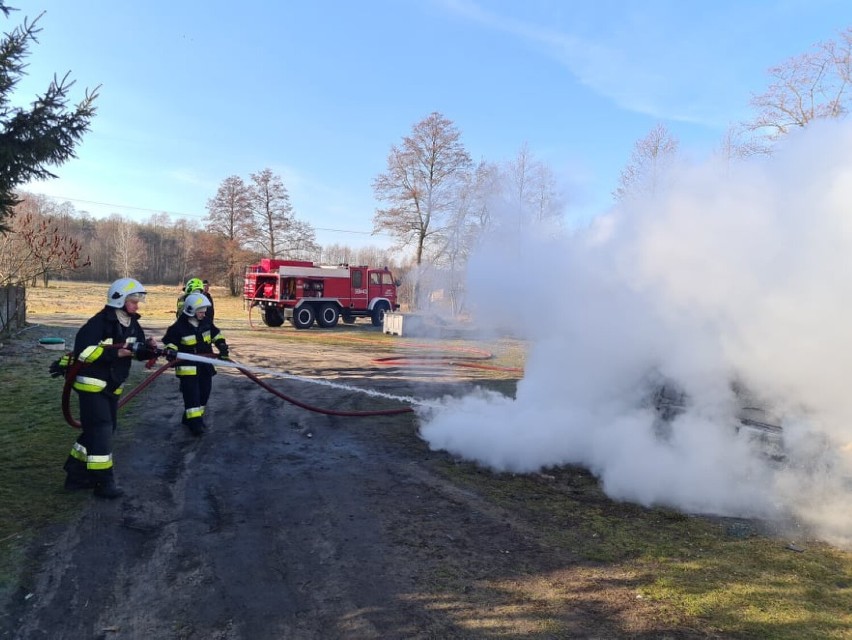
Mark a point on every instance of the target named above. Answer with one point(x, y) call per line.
point(34, 442)
point(700, 571)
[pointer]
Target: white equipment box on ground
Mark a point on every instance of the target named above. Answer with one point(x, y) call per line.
point(399, 324)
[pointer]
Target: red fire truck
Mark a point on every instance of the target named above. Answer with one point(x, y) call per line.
point(304, 293)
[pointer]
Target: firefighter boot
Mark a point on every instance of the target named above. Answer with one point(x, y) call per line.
point(105, 486)
point(78, 476)
point(196, 426)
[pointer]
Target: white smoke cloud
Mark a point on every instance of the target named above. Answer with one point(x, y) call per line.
point(735, 274)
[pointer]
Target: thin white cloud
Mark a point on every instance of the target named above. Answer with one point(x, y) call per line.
point(660, 59)
point(191, 177)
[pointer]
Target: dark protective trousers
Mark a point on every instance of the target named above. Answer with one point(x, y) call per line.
point(196, 392)
point(99, 419)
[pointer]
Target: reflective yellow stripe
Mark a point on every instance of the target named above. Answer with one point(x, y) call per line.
point(188, 340)
point(194, 412)
point(99, 462)
point(171, 345)
point(84, 383)
point(185, 370)
point(90, 354)
point(78, 451)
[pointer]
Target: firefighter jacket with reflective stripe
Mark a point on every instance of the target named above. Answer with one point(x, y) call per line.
point(103, 370)
point(180, 301)
point(184, 337)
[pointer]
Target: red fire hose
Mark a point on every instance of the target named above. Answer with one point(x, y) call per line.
point(472, 359)
point(69, 380)
point(328, 412)
point(72, 372)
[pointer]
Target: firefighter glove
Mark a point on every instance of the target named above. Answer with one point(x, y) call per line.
point(223, 350)
point(171, 354)
point(59, 367)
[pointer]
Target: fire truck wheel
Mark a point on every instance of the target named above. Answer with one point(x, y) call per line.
point(272, 317)
point(328, 316)
point(379, 311)
point(303, 317)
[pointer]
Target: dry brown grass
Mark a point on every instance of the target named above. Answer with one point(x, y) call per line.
point(85, 298)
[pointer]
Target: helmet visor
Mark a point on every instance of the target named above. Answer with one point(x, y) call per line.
point(136, 297)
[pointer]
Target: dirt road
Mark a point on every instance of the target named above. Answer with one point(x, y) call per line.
point(283, 523)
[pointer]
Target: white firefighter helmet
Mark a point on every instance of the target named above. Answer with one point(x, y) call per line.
point(195, 302)
point(121, 289)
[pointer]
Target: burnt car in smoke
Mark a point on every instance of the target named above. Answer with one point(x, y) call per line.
point(760, 425)
point(813, 452)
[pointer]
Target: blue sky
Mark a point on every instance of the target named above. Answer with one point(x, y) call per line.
point(193, 92)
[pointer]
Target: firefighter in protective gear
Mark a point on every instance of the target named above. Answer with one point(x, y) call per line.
point(194, 333)
point(206, 292)
point(105, 345)
point(192, 285)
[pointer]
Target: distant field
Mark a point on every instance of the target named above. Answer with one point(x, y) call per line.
point(85, 298)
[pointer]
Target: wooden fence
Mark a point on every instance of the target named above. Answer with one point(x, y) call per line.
point(13, 308)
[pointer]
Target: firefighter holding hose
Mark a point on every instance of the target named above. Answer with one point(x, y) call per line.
point(194, 333)
point(104, 347)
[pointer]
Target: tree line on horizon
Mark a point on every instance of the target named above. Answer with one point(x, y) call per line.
point(51, 239)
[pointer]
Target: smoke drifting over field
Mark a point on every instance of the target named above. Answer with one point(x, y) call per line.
point(739, 273)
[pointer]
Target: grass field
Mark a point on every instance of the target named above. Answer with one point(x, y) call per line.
point(85, 298)
point(730, 577)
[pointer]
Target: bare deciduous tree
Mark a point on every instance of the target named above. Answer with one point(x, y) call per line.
point(299, 241)
point(229, 216)
point(337, 254)
point(519, 184)
point(343, 254)
point(278, 234)
point(813, 85)
point(184, 232)
point(375, 257)
point(272, 211)
point(737, 144)
point(531, 191)
point(229, 212)
point(36, 246)
point(421, 184)
point(548, 199)
point(483, 191)
point(128, 250)
point(650, 157)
